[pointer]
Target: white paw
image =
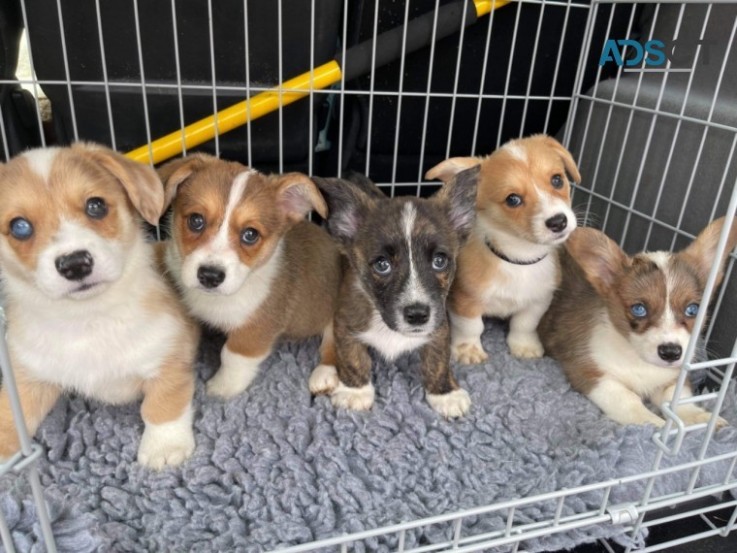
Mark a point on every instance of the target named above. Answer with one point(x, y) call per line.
point(450, 405)
point(167, 444)
point(697, 415)
point(469, 353)
point(224, 387)
point(525, 345)
point(323, 380)
point(235, 374)
point(356, 399)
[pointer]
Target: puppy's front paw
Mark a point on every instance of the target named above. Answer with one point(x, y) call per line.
point(699, 416)
point(356, 399)
point(235, 375)
point(450, 405)
point(323, 380)
point(223, 387)
point(165, 453)
point(167, 444)
point(469, 353)
point(525, 345)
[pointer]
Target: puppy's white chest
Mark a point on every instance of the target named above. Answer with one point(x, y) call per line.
point(227, 312)
point(105, 356)
point(387, 342)
point(514, 287)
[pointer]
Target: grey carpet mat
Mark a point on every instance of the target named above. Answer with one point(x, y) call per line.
point(276, 467)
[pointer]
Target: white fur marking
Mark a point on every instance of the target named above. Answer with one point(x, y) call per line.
point(41, 160)
point(516, 151)
point(618, 359)
point(622, 404)
point(235, 374)
point(219, 251)
point(84, 345)
point(168, 443)
point(550, 206)
point(387, 342)
point(667, 330)
point(356, 399)
point(413, 291)
point(107, 255)
point(450, 405)
point(221, 242)
point(228, 312)
point(324, 379)
point(465, 339)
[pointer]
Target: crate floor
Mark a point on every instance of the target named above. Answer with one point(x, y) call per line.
point(276, 467)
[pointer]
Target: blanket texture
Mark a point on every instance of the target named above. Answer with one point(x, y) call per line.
point(277, 467)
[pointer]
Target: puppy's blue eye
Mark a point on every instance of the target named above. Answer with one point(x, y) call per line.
point(692, 309)
point(96, 208)
point(196, 222)
point(639, 310)
point(557, 181)
point(21, 229)
point(250, 236)
point(514, 200)
point(382, 266)
point(440, 262)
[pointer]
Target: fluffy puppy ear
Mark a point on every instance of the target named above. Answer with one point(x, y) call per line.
point(458, 197)
point(174, 173)
point(445, 170)
point(298, 195)
point(348, 204)
point(702, 252)
point(600, 258)
point(364, 183)
point(137, 179)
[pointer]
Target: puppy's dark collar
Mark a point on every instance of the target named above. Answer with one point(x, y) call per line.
point(503, 257)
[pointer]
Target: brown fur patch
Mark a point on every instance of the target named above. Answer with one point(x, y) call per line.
point(435, 363)
point(566, 327)
point(36, 399)
point(642, 281)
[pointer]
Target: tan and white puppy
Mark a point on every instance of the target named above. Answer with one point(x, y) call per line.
point(247, 262)
point(87, 309)
point(620, 325)
point(508, 267)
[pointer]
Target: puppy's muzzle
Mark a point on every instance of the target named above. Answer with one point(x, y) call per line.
point(670, 352)
point(416, 314)
point(210, 276)
point(76, 265)
point(557, 223)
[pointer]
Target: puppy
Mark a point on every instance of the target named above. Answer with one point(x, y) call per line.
point(87, 309)
point(247, 263)
point(508, 268)
point(401, 258)
point(620, 325)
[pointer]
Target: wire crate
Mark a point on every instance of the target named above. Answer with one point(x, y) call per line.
point(389, 89)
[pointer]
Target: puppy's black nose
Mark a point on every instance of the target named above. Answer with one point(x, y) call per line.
point(76, 265)
point(417, 314)
point(210, 276)
point(557, 223)
point(669, 352)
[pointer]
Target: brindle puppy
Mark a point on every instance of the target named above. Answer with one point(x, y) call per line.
point(400, 259)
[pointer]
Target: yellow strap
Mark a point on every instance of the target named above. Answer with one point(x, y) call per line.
point(237, 115)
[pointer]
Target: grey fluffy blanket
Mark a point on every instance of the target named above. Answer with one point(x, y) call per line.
point(277, 467)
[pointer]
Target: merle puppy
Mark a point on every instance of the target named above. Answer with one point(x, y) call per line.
point(400, 259)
